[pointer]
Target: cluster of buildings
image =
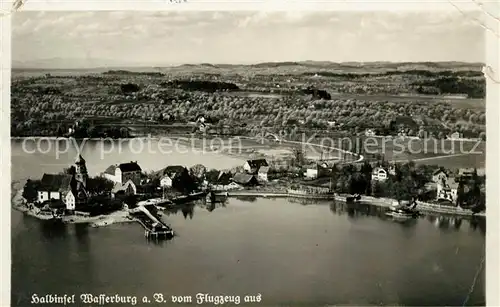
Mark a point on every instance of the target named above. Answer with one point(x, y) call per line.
point(447, 185)
point(65, 191)
point(254, 172)
point(69, 192)
point(444, 183)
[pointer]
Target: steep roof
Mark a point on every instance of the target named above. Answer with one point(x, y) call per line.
point(172, 170)
point(122, 187)
point(110, 170)
point(224, 178)
point(378, 169)
point(56, 182)
point(243, 178)
point(257, 163)
point(264, 169)
point(130, 167)
point(80, 160)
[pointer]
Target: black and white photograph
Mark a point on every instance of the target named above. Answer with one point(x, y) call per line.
point(248, 158)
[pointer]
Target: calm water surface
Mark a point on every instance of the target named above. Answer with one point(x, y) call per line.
point(291, 253)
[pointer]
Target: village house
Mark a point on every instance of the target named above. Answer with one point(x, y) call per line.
point(70, 189)
point(126, 189)
point(54, 186)
point(166, 182)
point(176, 177)
point(218, 178)
point(221, 181)
point(392, 170)
point(331, 124)
point(370, 132)
point(317, 170)
point(253, 166)
point(439, 176)
point(262, 173)
point(455, 136)
point(121, 173)
point(245, 179)
point(447, 190)
point(284, 162)
point(466, 173)
point(379, 174)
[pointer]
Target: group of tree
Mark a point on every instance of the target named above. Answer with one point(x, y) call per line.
point(408, 182)
point(474, 88)
point(202, 85)
point(317, 93)
point(182, 100)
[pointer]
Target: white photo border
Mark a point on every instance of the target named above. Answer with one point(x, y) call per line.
point(492, 30)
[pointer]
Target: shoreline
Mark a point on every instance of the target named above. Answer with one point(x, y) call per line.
point(369, 200)
point(18, 203)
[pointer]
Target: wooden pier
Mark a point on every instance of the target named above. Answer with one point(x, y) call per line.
point(153, 226)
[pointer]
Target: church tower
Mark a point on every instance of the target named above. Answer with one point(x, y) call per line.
point(81, 174)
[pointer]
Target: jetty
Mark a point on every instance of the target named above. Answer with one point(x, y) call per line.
point(147, 215)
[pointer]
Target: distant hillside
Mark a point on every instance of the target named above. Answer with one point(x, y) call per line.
point(99, 64)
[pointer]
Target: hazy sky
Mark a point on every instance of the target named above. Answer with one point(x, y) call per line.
point(152, 38)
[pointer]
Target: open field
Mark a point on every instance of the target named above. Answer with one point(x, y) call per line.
point(286, 98)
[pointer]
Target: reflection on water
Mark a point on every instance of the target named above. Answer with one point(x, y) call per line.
point(53, 230)
point(161, 242)
point(187, 210)
point(211, 206)
point(478, 223)
point(82, 237)
point(357, 210)
point(371, 249)
point(248, 198)
point(457, 222)
point(363, 210)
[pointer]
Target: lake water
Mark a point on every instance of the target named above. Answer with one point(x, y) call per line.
point(291, 253)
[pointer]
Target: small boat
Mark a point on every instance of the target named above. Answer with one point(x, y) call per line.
point(399, 214)
point(402, 212)
point(101, 223)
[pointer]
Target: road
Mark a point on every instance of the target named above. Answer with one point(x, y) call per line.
point(361, 158)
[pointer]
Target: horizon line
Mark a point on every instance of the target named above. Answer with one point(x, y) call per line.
point(174, 65)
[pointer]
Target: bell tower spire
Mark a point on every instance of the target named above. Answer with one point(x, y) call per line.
point(81, 174)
